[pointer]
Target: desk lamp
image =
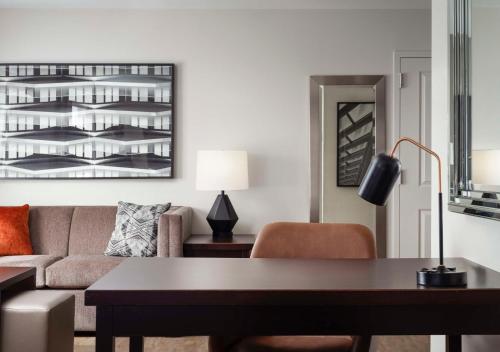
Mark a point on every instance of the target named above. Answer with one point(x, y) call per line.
point(375, 188)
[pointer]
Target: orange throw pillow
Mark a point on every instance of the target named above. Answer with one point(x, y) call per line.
point(14, 231)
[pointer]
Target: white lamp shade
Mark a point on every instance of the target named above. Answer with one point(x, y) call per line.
point(221, 170)
point(486, 167)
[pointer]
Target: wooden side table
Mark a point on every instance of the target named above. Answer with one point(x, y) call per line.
point(204, 246)
point(16, 278)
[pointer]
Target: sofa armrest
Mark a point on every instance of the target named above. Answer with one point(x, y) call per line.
point(174, 227)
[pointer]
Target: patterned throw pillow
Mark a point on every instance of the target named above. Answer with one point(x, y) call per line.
point(136, 230)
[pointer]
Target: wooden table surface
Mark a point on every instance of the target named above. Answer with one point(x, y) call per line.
point(239, 246)
point(14, 277)
point(229, 281)
point(204, 241)
point(209, 296)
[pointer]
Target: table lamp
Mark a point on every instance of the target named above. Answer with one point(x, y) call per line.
point(375, 188)
point(222, 170)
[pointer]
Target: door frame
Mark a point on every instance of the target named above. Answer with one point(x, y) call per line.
point(393, 240)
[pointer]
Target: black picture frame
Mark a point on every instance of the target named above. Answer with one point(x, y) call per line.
point(354, 154)
point(135, 129)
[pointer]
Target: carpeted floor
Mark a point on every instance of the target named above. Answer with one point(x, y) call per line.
point(199, 344)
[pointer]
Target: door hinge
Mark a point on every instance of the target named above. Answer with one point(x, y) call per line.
point(402, 80)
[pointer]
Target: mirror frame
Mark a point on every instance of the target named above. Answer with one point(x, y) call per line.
point(464, 197)
point(315, 142)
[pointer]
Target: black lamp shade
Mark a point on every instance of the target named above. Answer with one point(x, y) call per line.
point(379, 179)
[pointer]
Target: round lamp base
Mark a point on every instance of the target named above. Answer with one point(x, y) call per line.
point(441, 277)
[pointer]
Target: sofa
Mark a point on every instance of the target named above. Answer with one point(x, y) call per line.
point(69, 242)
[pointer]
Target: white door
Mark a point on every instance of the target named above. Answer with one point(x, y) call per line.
point(415, 184)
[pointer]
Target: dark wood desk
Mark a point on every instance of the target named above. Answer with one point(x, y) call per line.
point(243, 297)
point(204, 246)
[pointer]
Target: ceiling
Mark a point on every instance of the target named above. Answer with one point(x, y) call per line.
point(219, 4)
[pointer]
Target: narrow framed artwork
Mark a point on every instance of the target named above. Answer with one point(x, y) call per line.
point(79, 120)
point(355, 141)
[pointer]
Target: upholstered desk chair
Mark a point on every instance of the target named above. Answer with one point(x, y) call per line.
point(306, 241)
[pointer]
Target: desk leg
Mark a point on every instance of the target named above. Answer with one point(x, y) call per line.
point(453, 343)
point(136, 344)
point(104, 339)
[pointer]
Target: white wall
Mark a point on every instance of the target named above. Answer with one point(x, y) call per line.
point(242, 83)
point(465, 236)
point(341, 204)
point(221, 4)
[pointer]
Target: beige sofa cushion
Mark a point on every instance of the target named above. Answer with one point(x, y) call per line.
point(84, 315)
point(49, 229)
point(79, 271)
point(91, 229)
point(40, 262)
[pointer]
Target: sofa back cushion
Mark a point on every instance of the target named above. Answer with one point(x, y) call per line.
point(49, 229)
point(91, 229)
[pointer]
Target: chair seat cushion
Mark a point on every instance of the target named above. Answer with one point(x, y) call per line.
point(40, 262)
point(294, 344)
point(79, 271)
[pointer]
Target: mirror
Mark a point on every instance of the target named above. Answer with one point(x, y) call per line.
point(347, 130)
point(475, 88)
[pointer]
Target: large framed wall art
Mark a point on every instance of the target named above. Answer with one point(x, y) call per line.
point(77, 120)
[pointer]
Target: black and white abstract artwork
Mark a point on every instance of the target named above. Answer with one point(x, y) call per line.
point(86, 120)
point(355, 141)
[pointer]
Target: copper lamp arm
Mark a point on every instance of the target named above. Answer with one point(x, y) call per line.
point(428, 150)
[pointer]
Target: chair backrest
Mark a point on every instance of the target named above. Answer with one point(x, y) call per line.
point(314, 241)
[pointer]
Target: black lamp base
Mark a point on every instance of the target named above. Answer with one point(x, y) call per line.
point(222, 218)
point(441, 277)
